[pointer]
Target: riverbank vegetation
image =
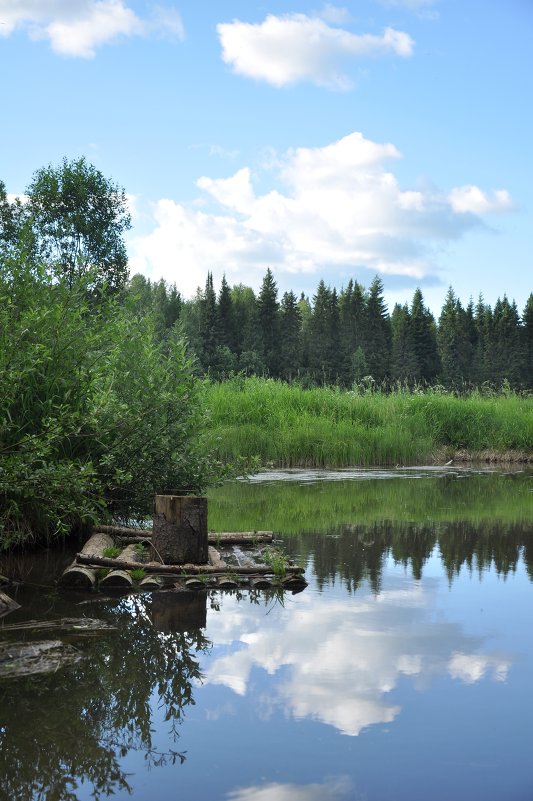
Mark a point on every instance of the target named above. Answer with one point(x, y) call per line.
point(328, 427)
point(114, 388)
point(97, 411)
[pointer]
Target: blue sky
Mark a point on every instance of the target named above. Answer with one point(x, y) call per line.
point(322, 140)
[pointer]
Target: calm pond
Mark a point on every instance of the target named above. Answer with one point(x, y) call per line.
point(403, 672)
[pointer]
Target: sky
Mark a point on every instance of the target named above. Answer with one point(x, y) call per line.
point(322, 140)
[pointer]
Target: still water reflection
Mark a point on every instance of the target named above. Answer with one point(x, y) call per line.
point(402, 672)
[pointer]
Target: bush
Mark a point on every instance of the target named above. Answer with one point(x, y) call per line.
point(96, 416)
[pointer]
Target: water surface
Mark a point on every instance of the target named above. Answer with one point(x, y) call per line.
point(402, 672)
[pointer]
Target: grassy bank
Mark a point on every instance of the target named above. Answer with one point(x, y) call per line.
point(289, 426)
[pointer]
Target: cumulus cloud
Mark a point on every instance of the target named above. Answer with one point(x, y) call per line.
point(293, 48)
point(337, 207)
point(464, 199)
point(78, 27)
point(338, 660)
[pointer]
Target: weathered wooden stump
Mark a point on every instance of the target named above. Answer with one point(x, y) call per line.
point(180, 529)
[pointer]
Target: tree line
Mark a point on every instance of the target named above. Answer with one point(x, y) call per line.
point(343, 337)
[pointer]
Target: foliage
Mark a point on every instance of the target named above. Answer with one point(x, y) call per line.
point(96, 414)
point(78, 218)
point(289, 425)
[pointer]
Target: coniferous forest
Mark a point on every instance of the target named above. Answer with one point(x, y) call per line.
point(344, 337)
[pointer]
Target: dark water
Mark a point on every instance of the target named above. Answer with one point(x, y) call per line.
point(402, 673)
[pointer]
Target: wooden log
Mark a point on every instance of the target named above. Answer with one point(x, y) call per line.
point(120, 578)
point(180, 529)
point(156, 567)
point(151, 583)
point(237, 537)
point(240, 537)
point(227, 583)
point(76, 576)
point(260, 583)
point(7, 604)
point(215, 560)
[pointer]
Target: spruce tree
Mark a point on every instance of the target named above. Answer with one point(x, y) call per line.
point(268, 307)
point(424, 337)
point(404, 362)
point(290, 329)
point(377, 334)
point(527, 344)
point(226, 317)
point(208, 333)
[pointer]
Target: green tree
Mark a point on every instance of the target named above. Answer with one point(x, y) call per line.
point(226, 317)
point(79, 218)
point(527, 343)
point(377, 337)
point(290, 326)
point(324, 344)
point(424, 334)
point(404, 362)
point(97, 414)
point(268, 308)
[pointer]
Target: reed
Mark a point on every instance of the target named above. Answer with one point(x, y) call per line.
point(288, 426)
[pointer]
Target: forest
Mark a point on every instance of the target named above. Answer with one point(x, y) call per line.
point(344, 337)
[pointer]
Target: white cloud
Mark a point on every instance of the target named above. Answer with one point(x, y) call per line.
point(472, 199)
point(335, 207)
point(295, 47)
point(329, 791)
point(78, 27)
point(337, 660)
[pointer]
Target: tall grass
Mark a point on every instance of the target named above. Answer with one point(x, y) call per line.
point(289, 426)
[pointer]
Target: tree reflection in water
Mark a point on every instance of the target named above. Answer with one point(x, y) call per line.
point(60, 731)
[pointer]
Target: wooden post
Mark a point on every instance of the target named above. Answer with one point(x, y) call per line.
point(180, 529)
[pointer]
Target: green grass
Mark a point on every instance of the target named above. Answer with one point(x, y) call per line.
point(327, 427)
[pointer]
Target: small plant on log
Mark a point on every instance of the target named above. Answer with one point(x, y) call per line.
point(141, 550)
point(138, 574)
point(112, 552)
point(276, 560)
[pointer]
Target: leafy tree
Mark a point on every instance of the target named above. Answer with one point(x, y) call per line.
point(246, 316)
point(78, 218)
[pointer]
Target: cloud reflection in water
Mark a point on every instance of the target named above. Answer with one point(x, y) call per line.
point(341, 658)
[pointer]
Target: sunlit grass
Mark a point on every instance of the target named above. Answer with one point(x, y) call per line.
point(291, 426)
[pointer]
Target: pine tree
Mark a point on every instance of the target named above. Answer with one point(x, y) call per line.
point(290, 328)
point(455, 347)
point(507, 343)
point(527, 344)
point(404, 362)
point(352, 320)
point(208, 326)
point(424, 336)
point(324, 341)
point(377, 334)
point(268, 307)
point(226, 317)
